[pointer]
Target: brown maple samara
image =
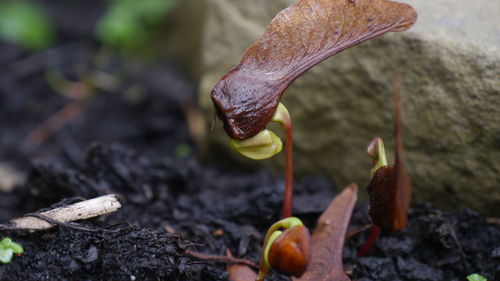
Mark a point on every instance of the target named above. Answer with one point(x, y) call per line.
point(299, 37)
point(389, 190)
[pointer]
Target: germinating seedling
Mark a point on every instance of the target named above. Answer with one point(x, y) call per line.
point(8, 248)
point(266, 144)
point(294, 242)
point(286, 251)
point(389, 189)
point(248, 97)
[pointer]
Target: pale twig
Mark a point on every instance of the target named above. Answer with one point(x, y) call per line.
point(60, 216)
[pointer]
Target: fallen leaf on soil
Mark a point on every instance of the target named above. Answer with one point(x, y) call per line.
point(403, 181)
point(328, 239)
point(239, 272)
point(299, 37)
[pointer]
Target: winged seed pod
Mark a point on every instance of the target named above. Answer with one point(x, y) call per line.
point(248, 97)
point(299, 37)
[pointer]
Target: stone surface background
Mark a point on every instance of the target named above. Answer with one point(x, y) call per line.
point(183, 35)
point(449, 64)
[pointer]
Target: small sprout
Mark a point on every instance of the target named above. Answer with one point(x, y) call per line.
point(476, 277)
point(389, 190)
point(376, 151)
point(282, 116)
point(8, 248)
point(266, 144)
point(390, 187)
point(261, 146)
point(289, 252)
point(286, 251)
point(383, 190)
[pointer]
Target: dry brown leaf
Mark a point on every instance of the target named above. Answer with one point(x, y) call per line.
point(239, 272)
point(328, 239)
point(299, 37)
point(403, 182)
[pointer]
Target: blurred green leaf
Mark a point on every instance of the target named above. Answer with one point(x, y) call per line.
point(25, 24)
point(16, 248)
point(8, 248)
point(6, 242)
point(6, 254)
point(153, 11)
point(476, 277)
point(130, 24)
point(182, 150)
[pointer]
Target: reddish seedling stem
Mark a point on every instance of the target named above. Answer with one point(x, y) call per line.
point(288, 197)
point(370, 242)
point(358, 231)
point(222, 259)
point(55, 122)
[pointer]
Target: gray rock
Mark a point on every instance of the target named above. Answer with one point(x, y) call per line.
point(449, 64)
point(183, 37)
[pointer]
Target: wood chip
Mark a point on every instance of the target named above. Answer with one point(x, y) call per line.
point(78, 211)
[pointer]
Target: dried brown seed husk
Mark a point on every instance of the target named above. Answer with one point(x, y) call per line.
point(290, 252)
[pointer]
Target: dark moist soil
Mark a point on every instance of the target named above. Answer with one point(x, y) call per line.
point(145, 109)
point(133, 140)
point(170, 206)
